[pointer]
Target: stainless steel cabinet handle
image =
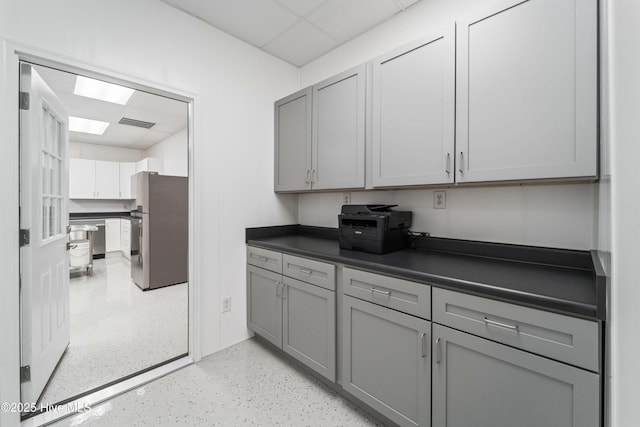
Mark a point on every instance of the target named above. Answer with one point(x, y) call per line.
point(262, 258)
point(460, 167)
point(438, 350)
point(501, 325)
point(448, 168)
point(304, 270)
point(379, 292)
point(284, 291)
point(278, 289)
point(424, 344)
point(314, 176)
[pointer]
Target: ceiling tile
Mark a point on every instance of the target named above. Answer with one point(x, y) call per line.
point(288, 46)
point(147, 101)
point(345, 19)
point(407, 3)
point(58, 81)
point(301, 7)
point(192, 7)
point(254, 21)
point(154, 136)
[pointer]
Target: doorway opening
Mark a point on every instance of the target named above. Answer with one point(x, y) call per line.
point(104, 216)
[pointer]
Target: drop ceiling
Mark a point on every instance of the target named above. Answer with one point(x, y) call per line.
point(297, 31)
point(169, 115)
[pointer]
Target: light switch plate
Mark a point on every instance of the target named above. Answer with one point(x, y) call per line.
point(439, 200)
point(346, 198)
point(226, 304)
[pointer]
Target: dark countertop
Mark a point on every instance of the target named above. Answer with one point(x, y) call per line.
point(100, 215)
point(564, 281)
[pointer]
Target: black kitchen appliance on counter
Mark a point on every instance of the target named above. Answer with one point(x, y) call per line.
point(374, 228)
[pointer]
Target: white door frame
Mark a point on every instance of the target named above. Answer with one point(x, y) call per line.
point(10, 55)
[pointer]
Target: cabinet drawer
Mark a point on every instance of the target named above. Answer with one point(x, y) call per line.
point(263, 258)
point(314, 272)
point(564, 338)
point(402, 295)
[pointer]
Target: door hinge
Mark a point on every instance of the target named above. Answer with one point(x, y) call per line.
point(25, 237)
point(25, 374)
point(24, 101)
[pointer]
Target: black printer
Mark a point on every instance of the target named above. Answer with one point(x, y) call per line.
point(374, 228)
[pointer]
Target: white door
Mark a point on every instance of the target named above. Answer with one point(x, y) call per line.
point(44, 266)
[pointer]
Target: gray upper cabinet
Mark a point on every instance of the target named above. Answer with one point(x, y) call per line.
point(527, 91)
point(477, 382)
point(386, 361)
point(339, 131)
point(413, 112)
point(293, 142)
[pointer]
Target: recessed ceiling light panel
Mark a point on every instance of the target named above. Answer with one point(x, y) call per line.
point(94, 127)
point(103, 91)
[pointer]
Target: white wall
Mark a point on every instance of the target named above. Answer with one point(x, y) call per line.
point(234, 86)
point(108, 153)
point(551, 215)
point(173, 152)
point(624, 70)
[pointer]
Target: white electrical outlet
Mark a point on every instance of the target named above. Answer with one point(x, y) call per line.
point(346, 198)
point(226, 304)
point(439, 200)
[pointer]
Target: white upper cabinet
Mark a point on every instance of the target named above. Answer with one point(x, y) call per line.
point(293, 142)
point(82, 179)
point(126, 170)
point(149, 164)
point(527, 91)
point(338, 131)
point(413, 112)
point(107, 180)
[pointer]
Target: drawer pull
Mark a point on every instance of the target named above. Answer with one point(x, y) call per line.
point(438, 351)
point(501, 325)
point(379, 292)
point(424, 344)
point(304, 271)
point(262, 258)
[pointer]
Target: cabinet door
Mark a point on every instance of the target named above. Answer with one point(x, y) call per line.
point(309, 325)
point(107, 180)
point(527, 91)
point(386, 361)
point(477, 382)
point(264, 304)
point(293, 142)
point(126, 170)
point(112, 235)
point(82, 179)
point(414, 111)
point(338, 131)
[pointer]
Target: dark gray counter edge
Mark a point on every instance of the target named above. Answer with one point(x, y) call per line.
point(537, 255)
point(99, 215)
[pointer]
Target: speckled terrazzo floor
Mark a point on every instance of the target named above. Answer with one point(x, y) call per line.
point(117, 330)
point(244, 385)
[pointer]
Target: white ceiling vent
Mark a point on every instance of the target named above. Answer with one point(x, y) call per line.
point(137, 123)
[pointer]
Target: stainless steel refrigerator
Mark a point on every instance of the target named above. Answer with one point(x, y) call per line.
point(159, 230)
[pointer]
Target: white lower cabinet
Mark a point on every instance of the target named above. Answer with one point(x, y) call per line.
point(125, 238)
point(477, 382)
point(386, 361)
point(112, 235)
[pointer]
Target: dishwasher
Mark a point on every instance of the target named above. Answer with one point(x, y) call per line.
point(99, 248)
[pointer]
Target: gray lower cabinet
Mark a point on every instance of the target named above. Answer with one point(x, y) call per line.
point(477, 382)
point(309, 325)
point(264, 303)
point(296, 316)
point(386, 361)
